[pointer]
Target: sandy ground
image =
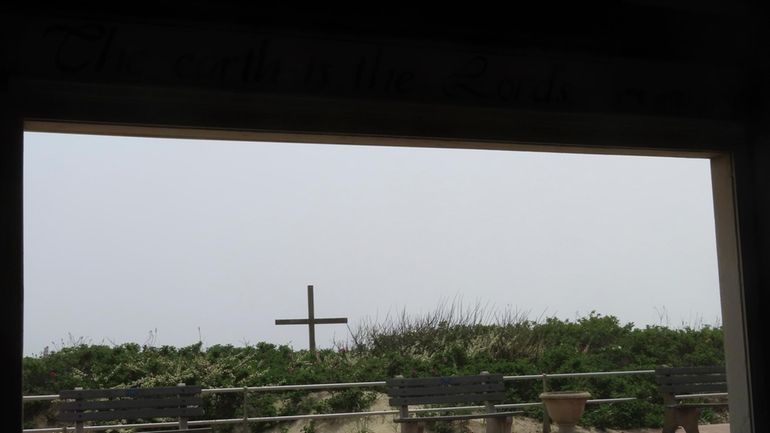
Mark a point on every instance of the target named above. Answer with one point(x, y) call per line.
point(520, 425)
point(384, 424)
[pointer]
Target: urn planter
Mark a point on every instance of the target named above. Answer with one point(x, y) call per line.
point(565, 408)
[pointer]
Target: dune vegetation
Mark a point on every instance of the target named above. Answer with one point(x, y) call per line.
point(450, 341)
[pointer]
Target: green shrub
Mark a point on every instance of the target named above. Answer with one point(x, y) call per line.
point(449, 342)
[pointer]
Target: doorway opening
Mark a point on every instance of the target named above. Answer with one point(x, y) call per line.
point(328, 223)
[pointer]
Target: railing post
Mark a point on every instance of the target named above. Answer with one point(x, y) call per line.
point(490, 407)
point(546, 418)
point(182, 419)
point(403, 413)
point(245, 410)
point(78, 423)
point(495, 424)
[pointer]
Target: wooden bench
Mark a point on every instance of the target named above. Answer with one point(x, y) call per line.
point(486, 388)
point(179, 402)
point(683, 381)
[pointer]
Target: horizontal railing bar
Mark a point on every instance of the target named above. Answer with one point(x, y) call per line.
point(703, 395)
point(40, 397)
point(571, 375)
point(451, 408)
point(321, 416)
point(610, 400)
point(516, 405)
point(221, 421)
point(443, 409)
point(105, 427)
point(43, 430)
point(269, 388)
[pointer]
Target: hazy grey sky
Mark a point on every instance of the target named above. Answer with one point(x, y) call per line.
point(124, 236)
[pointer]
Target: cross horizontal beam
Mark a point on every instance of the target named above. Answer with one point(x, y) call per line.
point(324, 321)
point(311, 320)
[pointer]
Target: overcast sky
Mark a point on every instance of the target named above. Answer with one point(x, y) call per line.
point(188, 239)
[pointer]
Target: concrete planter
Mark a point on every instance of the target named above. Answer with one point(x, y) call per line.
point(565, 408)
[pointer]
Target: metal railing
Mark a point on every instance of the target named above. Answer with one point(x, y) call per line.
point(245, 419)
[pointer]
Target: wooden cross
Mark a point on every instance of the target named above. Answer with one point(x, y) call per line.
point(311, 320)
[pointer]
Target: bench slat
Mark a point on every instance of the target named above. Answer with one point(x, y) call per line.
point(695, 378)
point(459, 398)
point(689, 370)
point(80, 405)
point(445, 389)
point(447, 380)
point(694, 388)
point(128, 392)
point(690, 380)
point(131, 414)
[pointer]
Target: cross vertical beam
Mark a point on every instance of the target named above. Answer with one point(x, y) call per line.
point(311, 317)
point(311, 321)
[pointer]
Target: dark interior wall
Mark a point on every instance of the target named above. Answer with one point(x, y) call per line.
point(640, 74)
point(621, 58)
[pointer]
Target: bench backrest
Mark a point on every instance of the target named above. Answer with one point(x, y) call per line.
point(453, 389)
point(691, 380)
point(130, 403)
